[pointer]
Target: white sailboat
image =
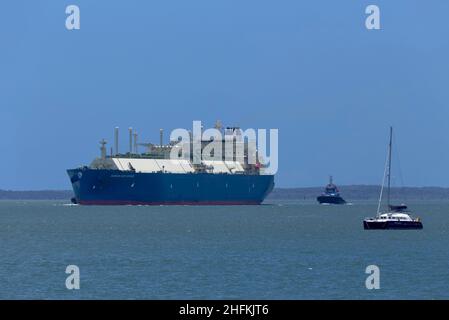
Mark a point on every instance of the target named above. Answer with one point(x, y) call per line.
point(396, 216)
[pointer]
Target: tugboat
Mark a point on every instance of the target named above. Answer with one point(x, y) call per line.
point(330, 195)
point(396, 216)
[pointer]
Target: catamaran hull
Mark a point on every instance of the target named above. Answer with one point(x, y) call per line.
point(385, 225)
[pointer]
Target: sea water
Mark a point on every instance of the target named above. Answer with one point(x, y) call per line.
point(279, 250)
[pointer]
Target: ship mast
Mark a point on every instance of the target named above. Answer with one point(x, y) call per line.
point(389, 166)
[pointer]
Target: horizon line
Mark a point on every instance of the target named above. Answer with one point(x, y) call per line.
point(280, 187)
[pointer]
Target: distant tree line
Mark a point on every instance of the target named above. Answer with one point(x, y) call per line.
point(355, 192)
point(36, 195)
point(364, 192)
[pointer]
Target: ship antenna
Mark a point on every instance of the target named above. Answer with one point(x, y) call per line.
point(116, 140)
point(161, 137)
point(136, 135)
point(130, 141)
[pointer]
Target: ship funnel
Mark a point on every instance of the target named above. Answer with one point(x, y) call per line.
point(116, 140)
point(130, 140)
point(161, 137)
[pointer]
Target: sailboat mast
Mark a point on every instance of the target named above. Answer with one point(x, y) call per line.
point(389, 165)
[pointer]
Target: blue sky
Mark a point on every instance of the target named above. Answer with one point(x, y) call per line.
point(309, 68)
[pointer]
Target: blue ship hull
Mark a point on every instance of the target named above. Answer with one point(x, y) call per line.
point(115, 187)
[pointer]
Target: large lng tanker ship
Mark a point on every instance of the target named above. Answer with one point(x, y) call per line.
point(153, 178)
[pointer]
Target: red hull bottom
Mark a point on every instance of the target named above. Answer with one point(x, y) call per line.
point(176, 203)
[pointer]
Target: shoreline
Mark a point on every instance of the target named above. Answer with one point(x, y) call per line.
point(350, 193)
